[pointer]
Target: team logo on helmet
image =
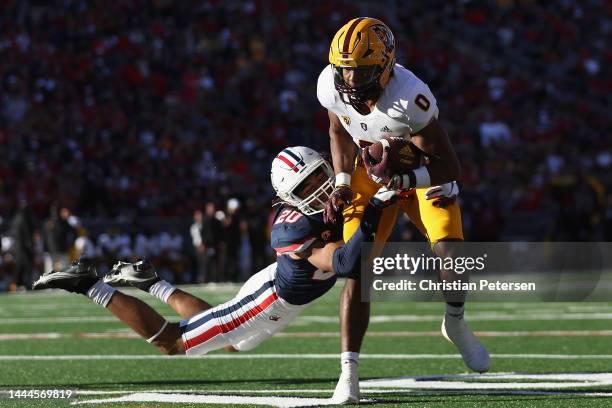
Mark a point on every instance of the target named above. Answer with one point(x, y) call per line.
point(385, 36)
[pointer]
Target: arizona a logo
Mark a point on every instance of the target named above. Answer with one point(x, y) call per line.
point(346, 120)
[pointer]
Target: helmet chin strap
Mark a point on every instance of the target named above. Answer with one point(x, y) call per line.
point(371, 93)
point(358, 96)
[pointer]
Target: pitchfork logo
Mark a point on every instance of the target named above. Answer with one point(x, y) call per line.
point(385, 35)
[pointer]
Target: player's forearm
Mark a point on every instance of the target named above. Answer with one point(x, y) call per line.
point(443, 165)
point(343, 152)
point(444, 170)
point(433, 174)
point(345, 261)
point(341, 145)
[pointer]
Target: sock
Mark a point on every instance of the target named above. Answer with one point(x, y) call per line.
point(162, 290)
point(349, 359)
point(101, 293)
point(455, 309)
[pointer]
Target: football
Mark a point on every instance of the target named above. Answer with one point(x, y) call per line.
point(403, 155)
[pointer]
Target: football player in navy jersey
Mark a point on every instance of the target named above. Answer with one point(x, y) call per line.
point(310, 257)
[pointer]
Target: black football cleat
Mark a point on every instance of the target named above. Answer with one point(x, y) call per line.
point(78, 278)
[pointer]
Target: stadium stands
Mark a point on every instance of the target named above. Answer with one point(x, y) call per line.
point(131, 109)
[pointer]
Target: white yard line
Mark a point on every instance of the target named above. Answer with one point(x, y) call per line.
point(30, 336)
point(332, 356)
point(128, 334)
point(274, 401)
point(456, 382)
point(551, 384)
point(437, 333)
point(472, 317)
point(69, 319)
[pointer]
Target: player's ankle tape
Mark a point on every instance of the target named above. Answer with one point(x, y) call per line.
point(349, 357)
point(101, 293)
point(162, 290)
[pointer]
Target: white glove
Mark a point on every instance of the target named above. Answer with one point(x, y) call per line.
point(443, 195)
point(383, 198)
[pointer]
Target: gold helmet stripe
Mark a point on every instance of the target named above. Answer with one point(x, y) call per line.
point(349, 33)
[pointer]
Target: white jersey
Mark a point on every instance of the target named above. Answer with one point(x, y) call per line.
point(405, 106)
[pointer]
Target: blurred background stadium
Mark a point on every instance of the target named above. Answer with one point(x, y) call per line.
point(122, 123)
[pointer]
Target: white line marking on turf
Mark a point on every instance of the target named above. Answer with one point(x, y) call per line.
point(125, 334)
point(482, 384)
point(473, 317)
point(446, 384)
point(541, 381)
point(274, 401)
point(236, 356)
point(70, 319)
point(327, 391)
point(470, 316)
point(363, 391)
point(519, 333)
point(205, 392)
point(30, 336)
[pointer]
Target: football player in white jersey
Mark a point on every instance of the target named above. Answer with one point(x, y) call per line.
point(370, 97)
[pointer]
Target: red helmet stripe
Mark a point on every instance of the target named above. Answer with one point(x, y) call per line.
point(349, 33)
point(288, 163)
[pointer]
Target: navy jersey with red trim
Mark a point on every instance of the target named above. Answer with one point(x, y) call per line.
point(297, 280)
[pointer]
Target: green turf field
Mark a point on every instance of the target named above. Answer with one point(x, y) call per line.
point(55, 340)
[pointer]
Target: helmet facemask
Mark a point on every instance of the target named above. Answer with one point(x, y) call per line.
point(314, 191)
point(366, 86)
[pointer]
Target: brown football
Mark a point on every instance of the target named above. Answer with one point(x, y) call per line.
point(403, 155)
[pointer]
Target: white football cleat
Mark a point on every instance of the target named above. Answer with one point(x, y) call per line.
point(140, 274)
point(474, 353)
point(347, 389)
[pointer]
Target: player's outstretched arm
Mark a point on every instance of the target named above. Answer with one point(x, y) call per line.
point(343, 259)
point(343, 157)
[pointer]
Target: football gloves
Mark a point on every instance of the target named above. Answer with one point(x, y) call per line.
point(383, 198)
point(379, 172)
point(443, 195)
point(341, 195)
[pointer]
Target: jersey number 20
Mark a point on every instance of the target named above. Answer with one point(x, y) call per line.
point(288, 216)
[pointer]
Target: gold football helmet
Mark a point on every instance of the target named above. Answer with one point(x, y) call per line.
point(365, 48)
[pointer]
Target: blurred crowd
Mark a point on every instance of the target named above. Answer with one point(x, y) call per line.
point(154, 108)
point(223, 244)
